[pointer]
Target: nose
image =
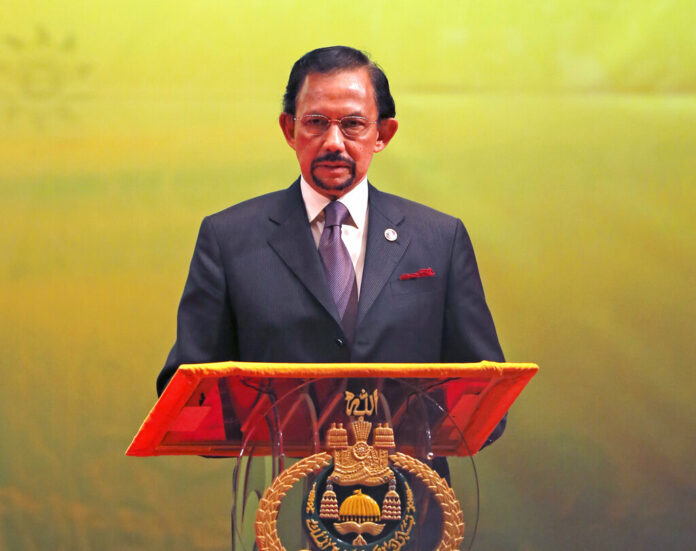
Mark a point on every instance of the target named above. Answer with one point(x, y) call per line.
point(333, 138)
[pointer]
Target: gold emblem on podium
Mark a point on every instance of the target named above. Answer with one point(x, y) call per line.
point(361, 497)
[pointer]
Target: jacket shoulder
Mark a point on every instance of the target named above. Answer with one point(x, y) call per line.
point(413, 211)
point(249, 208)
point(275, 205)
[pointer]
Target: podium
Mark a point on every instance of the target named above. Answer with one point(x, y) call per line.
point(336, 456)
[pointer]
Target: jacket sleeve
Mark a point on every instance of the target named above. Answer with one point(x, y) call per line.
point(469, 334)
point(205, 321)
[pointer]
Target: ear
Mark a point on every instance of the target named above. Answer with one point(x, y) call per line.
point(386, 128)
point(287, 125)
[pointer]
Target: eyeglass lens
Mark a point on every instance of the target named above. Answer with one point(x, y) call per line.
point(350, 126)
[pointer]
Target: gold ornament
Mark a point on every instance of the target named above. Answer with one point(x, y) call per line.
point(329, 503)
point(391, 506)
point(361, 463)
point(310, 499)
point(267, 514)
point(452, 518)
point(366, 465)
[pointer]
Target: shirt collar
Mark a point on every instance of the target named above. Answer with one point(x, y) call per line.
point(355, 201)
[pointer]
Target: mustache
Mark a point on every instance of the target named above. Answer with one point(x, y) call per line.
point(333, 157)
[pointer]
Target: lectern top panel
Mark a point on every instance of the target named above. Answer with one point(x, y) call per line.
point(232, 408)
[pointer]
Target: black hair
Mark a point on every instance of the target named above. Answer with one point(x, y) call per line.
point(336, 58)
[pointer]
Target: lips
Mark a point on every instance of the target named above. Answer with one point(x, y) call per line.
point(333, 160)
point(333, 165)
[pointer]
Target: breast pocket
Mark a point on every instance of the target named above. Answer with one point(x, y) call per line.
point(414, 286)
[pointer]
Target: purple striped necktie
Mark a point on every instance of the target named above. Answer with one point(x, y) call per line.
point(339, 267)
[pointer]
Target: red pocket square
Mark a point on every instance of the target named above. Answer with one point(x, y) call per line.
point(423, 272)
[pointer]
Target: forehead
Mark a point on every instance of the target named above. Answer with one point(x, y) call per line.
point(337, 93)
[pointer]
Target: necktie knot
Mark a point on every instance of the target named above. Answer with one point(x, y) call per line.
point(335, 214)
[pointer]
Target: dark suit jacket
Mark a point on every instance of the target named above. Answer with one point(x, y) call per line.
point(256, 290)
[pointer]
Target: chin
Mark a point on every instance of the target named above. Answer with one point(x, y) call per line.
point(333, 188)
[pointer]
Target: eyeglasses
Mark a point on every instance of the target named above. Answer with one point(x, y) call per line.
point(351, 126)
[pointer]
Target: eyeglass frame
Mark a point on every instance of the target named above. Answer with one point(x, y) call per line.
point(338, 121)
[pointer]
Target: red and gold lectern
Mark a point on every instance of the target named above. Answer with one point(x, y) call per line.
point(347, 456)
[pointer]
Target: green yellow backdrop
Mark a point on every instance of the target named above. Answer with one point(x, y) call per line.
point(562, 133)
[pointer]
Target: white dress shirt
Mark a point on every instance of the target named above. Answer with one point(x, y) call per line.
point(353, 232)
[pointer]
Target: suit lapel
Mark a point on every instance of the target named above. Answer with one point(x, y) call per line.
point(381, 255)
point(293, 242)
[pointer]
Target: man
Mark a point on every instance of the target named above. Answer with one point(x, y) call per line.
point(331, 269)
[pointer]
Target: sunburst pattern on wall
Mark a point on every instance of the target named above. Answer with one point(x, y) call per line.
point(42, 79)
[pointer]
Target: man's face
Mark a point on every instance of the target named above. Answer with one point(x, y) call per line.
point(331, 162)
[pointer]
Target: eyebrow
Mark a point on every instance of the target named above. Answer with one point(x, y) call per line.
point(353, 114)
